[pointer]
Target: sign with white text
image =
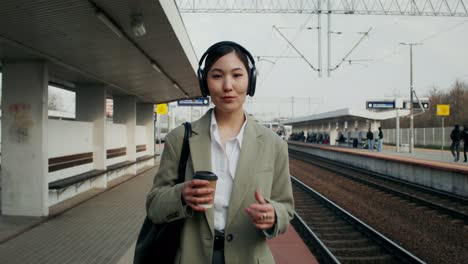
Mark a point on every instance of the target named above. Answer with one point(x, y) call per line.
point(380, 105)
point(200, 101)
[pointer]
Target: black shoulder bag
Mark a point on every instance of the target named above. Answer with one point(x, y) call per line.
point(158, 243)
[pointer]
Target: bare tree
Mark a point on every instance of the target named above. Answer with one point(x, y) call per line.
point(456, 97)
point(55, 102)
point(456, 102)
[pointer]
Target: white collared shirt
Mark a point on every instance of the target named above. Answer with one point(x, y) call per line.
point(224, 161)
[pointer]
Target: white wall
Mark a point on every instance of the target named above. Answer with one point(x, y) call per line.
point(68, 138)
point(116, 136)
point(141, 135)
point(141, 140)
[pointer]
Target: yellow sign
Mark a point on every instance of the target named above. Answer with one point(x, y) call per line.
point(443, 109)
point(161, 109)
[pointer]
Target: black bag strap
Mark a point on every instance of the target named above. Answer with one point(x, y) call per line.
point(185, 153)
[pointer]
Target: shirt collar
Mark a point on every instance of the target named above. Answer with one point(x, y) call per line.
point(239, 137)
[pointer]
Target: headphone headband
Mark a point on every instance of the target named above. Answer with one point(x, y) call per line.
point(229, 43)
point(252, 71)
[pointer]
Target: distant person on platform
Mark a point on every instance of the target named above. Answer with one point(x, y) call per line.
point(379, 144)
point(370, 140)
point(456, 136)
point(465, 140)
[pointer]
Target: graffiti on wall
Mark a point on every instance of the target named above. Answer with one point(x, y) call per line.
point(22, 122)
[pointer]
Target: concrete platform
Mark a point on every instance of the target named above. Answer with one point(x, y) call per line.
point(103, 229)
point(99, 230)
point(289, 248)
point(422, 167)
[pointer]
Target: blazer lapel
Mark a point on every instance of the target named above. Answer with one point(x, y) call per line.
point(252, 146)
point(200, 152)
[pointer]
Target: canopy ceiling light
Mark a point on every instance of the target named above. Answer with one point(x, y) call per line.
point(108, 22)
point(139, 30)
point(180, 89)
point(138, 26)
point(156, 67)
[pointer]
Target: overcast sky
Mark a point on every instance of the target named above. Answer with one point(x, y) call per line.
point(442, 59)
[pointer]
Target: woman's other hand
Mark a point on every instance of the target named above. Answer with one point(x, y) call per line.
point(261, 213)
point(197, 192)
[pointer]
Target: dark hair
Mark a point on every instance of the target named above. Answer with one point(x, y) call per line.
point(222, 50)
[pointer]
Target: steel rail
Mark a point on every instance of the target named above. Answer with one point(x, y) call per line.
point(391, 248)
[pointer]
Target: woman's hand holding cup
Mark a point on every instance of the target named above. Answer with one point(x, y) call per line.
point(199, 192)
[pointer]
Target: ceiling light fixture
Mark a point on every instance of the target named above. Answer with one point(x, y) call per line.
point(180, 89)
point(138, 26)
point(108, 22)
point(156, 67)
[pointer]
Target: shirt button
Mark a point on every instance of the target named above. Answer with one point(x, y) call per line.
point(229, 238)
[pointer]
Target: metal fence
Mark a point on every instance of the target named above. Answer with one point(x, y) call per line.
point(422, 136)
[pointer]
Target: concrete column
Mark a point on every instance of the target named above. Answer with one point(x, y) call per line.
point(333, 135)
point(125, 113)
point(24, 138)
point(91, 107)
point(145, 117)
point(375, 125)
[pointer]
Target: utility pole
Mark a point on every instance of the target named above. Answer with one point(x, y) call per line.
point(292, 106)
point(411, 137)
point(329, 38)
point(319, 36)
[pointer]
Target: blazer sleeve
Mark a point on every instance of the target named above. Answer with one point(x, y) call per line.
point(281, 194)
point(164, 201)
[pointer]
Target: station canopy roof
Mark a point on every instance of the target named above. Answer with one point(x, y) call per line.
point(75, 38)
point(347, 113)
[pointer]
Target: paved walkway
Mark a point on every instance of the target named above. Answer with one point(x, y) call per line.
point(289, 248)
point(419, 153)
point(103, 229)
point(427, 154)
point(100, 230)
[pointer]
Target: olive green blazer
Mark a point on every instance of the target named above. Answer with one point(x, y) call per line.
point(263, 165)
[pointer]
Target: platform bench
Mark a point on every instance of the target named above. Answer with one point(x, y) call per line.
point(146, 157)
point(75, 180)
point(120, 165)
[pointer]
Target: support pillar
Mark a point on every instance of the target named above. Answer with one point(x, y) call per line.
point(24, 138)
point(125, 113)
point(91, 107)
point(145, 117)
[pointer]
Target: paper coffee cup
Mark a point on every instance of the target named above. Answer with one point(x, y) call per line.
point(212, 178)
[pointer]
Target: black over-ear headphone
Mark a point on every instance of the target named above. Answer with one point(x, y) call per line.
point(252, 71)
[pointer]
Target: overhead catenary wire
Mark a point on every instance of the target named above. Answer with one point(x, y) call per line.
point(294, 47)
point(301, 28)
point(397, 49)
point(365, 34)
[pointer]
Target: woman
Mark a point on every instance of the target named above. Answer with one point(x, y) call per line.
point(253, 197)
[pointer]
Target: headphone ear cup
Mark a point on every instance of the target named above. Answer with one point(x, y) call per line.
point(202, 83)
point(252, 81)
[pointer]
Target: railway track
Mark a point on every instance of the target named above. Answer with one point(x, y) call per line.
point(336, 236)
point(445, 203)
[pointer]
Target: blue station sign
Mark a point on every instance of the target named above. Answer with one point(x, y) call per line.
point(380, 105)
point(200, 101)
